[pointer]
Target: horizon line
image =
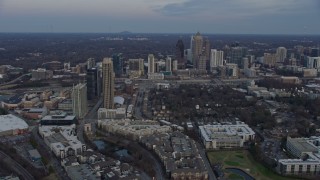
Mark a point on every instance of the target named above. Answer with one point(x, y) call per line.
point(163, 33)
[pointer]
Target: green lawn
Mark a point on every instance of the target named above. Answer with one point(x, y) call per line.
point(242, 159)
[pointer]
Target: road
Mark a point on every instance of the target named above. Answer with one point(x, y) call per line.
point(16, 79)
point(202, 153)
point(89, 118)
point(16, 167)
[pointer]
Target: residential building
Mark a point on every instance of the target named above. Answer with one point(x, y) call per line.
point(137, 65)
point(151, 63)
point(226, 136)
point(79, 100)
point(216, 58)
point(108, 83)
point(168, 64)
point(40, 74)
point(281, 54)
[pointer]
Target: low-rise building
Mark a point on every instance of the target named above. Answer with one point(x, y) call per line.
point(179, 155)
point(307, 157)
point(133, 129)
point(119, 113)
point(58, 119)
point(34, 113)
point(62, 140)
point(226, 136)
point(12, 125)
point(156, 76)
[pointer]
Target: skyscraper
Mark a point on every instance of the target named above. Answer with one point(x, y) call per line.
point(151, 64)
point(174, 65)
point(79, 100)
point(202, 63)
point(206, 45)
point(216, 58)
point(236, 55)
point(93, 80)
point(117, 60)
point(91, 62)
point(180, 53)
point(168, 64)
point(197, 43)
point(136, 65)
point(281, 54)
point(108, 83)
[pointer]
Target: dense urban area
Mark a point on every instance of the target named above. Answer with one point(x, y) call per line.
point(159, 106)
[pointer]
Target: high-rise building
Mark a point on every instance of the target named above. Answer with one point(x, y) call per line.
point(196, 48)
point(269, 59)
point(93, 83)
point(136, 65)
point(188, 55)
point(91, 62)
point(79, 100)
point(281, 54)
point(174, 65)
point(236, 54)
point(245, 63)
point(207, 49)
point(180, 53)
point(314, 52)
point(117, 60)
point(202, 63)
point(168, 64)
point(151, 64)
point(108, 83)
point(216, 58)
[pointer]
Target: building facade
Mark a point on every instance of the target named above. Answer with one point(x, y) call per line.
point(108, 83)
point(79, 100)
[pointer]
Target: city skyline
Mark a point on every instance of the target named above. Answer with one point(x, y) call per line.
point(176, 16)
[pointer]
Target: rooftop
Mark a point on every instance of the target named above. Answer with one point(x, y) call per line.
point(11, 122)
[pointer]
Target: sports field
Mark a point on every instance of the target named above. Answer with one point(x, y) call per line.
point(242, 159)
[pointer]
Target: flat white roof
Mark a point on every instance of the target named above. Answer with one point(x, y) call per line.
point(11, 122)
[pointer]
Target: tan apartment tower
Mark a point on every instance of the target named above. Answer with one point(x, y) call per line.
point(108, 83)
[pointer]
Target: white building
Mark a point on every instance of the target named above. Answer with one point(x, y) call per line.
point(62, 140)
point(307, 157)
point(174, 65)
point(12, 125)
point(216, 58)
point(226, 136)
point(313, 62)
point(281, 54)
point(133, 129)
point(119, 113)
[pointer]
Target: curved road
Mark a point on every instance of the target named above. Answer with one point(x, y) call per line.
point(16, 167)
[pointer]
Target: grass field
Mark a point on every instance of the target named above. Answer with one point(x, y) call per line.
point(243, 160)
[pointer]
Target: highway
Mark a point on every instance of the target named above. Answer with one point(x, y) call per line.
point(15, 80)
point(16, 167)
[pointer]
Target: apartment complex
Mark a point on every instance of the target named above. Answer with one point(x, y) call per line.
point(226, 136)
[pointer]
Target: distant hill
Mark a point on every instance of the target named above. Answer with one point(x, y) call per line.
point(125, 32)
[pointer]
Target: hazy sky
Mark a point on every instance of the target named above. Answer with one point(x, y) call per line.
point(171, 16)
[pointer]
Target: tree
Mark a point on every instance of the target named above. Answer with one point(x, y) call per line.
point(3, 111)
